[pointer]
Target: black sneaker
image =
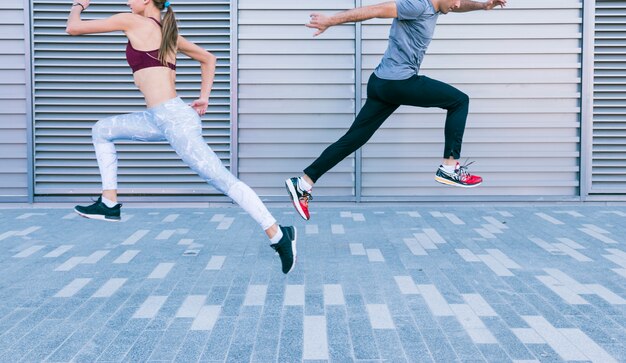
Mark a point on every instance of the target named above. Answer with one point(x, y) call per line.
point(286, 248)
point(300, 198)
point(100, 211)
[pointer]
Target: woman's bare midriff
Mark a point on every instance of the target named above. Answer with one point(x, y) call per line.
point(158, 84)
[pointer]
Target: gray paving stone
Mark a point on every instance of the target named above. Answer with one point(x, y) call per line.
point(122, 343)
point(494, 353)
point(193, 346)
point(462, 265)
point(313, 304)
point(514, 348)
point(144, 345)
point(292, 335)
point(363, 341)
point(266, 344)
point(171, 340)
point(438, 345)
point(217, 346)
point(463, 345)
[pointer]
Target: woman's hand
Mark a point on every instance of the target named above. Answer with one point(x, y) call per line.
point(200, 106)
point(84, 3)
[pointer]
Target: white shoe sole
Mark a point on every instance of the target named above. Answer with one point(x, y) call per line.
point(294, 198)
point(447, 182)
point(98, 217)
point(294, 249)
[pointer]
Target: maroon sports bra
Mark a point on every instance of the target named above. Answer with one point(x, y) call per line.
point(139, 59)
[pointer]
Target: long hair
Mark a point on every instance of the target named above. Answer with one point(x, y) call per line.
point(169, 31)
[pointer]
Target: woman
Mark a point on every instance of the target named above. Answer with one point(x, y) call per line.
point(151, 54)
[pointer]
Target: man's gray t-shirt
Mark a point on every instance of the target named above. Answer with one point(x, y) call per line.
point(410, 35)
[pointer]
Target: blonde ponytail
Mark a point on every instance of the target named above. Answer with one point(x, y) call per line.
point(169, 32)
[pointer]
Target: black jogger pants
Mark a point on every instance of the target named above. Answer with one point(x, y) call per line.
point(383, 98)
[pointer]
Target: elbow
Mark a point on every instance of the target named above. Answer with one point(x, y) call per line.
point(386, 10)
point(210, 58)
point(71, 30)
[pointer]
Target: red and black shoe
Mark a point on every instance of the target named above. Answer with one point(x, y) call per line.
point(460, 177)
point(300, 198)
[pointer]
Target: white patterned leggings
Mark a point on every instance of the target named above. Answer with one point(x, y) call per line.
point(179, 124)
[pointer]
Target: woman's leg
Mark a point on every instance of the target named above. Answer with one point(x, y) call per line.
point(134, 126)
point(181, 127)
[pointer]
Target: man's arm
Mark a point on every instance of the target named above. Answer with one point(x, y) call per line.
point(469, 5)
point(322, 22)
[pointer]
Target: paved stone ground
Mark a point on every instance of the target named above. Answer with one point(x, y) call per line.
point(373, 283)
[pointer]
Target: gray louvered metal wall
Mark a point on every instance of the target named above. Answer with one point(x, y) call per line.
point(296, 93)
point(14, 101)
point(521, 68)
point(79, 80)
point(608, 174)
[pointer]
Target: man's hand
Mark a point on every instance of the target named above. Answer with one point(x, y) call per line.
point(321, 23)
point(490, 4)
point(200, 106)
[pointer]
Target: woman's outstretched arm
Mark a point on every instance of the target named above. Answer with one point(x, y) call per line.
point(76, 26)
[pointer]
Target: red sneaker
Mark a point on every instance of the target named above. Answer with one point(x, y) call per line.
point(299, 197)
point(459, 178)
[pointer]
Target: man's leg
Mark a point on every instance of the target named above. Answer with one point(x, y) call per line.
point(369, 119)
point(422, 91)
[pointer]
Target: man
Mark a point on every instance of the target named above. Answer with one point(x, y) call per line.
point(396, 82)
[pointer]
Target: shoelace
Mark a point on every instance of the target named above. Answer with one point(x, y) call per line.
point(306, 196)
point(99, 200)
point(463, 172)
point(278, 248)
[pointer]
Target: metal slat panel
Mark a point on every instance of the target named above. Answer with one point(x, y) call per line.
point(608, 156)
point(13, 102)
point(296, 93)
point(521, 68)
point(80, 80)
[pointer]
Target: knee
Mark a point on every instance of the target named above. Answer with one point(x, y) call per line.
point(463, 99)
point(352, 139)
point(460, 101)
point(100, 129)
point(226, 183)
point(222, 179)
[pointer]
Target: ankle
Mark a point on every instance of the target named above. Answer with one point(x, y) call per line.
point(276, 237)
point(448, 168)
point(449, 162)
point(108, 202)
point(110, 194)
point(305, 183)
